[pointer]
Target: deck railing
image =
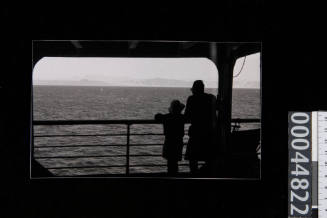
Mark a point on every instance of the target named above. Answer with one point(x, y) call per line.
point(128, 134)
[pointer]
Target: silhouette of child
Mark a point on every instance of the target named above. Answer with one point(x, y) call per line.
point(173, 124)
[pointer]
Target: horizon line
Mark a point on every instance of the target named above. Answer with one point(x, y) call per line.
point(142, 86)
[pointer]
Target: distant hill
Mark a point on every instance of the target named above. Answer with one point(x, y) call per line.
point(83, 82)
point(155, 82)
point(165, 82)
point(182, 83)
point(172, 83)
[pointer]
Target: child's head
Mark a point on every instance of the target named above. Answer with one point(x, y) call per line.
point(176, 107)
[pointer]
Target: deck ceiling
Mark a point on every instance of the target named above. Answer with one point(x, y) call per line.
point(134, 49)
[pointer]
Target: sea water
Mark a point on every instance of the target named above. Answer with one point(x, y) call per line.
point(112, 103)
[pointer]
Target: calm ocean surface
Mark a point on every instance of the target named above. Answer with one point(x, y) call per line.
point(111, 103)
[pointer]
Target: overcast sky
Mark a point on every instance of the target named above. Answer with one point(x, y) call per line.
point(128, 71)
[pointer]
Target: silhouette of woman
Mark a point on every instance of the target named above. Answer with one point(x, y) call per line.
point(201, 113)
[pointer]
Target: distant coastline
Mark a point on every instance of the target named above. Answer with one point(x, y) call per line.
point(156, 82)
point(127, 86)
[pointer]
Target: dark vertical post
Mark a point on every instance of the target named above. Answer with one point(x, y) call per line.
point(127, 149)
point(225, 64)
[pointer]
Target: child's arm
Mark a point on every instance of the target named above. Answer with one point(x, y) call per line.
point(159, 117)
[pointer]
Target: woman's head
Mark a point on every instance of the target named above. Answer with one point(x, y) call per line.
point(198, 87)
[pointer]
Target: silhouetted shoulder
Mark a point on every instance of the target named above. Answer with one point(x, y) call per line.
point(189, 99)
point(210, 95)
point(210, 98)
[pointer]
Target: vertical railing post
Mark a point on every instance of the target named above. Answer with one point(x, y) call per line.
point(127, 149)
point(32, 150)
point(32, 141)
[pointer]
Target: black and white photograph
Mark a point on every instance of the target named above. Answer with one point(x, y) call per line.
point(146, 109)
point(162, 110)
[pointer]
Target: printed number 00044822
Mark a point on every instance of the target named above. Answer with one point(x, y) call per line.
point(299, 144)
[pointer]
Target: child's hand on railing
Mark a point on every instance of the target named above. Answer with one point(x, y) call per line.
point(158, 117)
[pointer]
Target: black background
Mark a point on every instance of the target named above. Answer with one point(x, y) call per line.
point(292, 79)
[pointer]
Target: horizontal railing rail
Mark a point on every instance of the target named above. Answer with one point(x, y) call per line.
point(127, 122)
point(108, 145)
point(128, 145)
point(105, 166)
